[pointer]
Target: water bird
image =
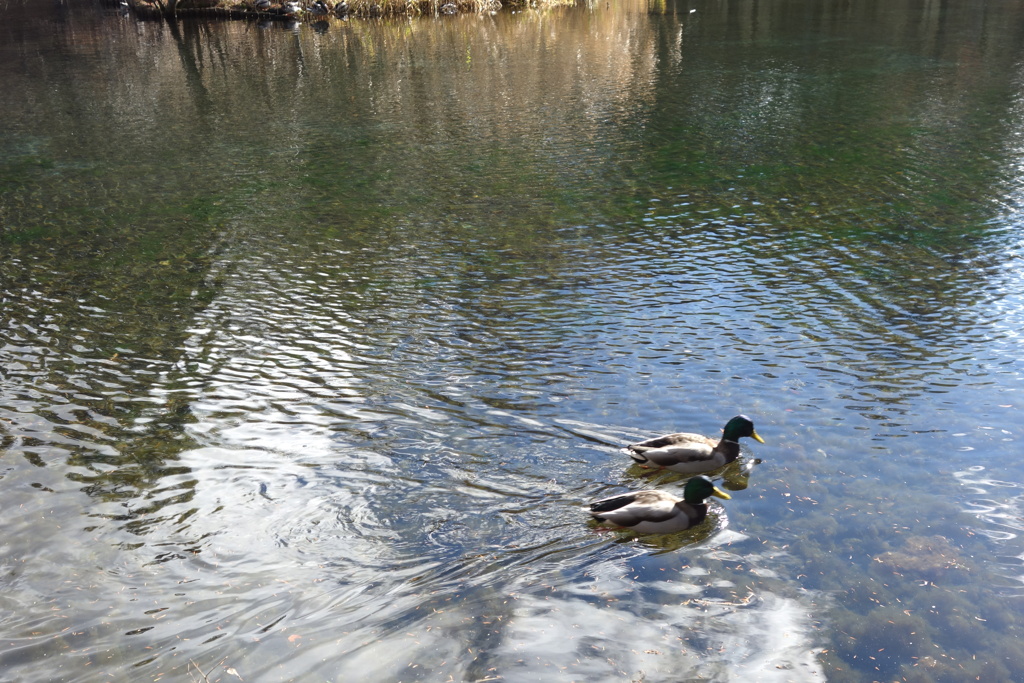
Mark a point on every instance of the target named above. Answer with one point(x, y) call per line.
point(341, 9)
point(319, 8)
point(261, 5)
point(658, 512)
point(692, 453)
point(291, 7)
point(449, 8)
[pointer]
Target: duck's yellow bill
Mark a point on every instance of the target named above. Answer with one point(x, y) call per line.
point(721, 494)
point(757, 438)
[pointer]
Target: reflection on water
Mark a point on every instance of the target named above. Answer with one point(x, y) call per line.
point(998, 504)
point(316, 342)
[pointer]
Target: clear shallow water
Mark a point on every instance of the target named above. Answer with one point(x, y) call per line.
point(315, 342)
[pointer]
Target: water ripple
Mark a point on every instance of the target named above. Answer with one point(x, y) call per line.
point(999, 507)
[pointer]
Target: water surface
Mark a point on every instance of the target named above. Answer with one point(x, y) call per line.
point(317, 337)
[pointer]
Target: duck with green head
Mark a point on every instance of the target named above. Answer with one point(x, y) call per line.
point(658, 512)
point(692, 453)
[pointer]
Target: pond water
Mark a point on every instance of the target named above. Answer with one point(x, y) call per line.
point(316, 338)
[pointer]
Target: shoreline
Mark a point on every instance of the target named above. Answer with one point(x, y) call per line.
point(317, 10)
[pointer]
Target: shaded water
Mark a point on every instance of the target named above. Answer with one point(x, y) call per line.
point(316, 338)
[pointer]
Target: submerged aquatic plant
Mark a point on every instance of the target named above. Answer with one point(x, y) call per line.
point(929, 557)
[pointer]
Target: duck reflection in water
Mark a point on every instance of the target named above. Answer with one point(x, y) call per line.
point(737, 477)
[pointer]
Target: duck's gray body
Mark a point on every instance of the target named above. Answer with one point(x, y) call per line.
point(649, 512)
point(657, 512)
point(687, 453)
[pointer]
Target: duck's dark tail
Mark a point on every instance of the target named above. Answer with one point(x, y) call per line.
point(637, 456)
point(609, 504)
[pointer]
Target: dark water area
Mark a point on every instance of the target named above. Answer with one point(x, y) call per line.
point(317, 337)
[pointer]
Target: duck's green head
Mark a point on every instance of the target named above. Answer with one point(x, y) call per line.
point(741, 425)
point(700, 488)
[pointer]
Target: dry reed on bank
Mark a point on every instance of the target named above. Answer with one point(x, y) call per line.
point(326, 9)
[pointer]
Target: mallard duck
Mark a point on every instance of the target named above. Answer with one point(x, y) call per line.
point(658, 512)
point(693, 453)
